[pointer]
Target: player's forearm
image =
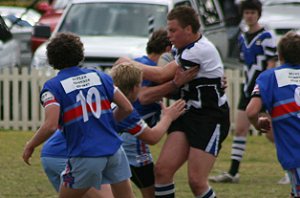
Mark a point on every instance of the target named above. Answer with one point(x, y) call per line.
point(152, 94)
point(159, 129)
point(158, 74)
point(43, 133)
point(271, 64)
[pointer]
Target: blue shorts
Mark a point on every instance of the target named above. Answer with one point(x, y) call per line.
point(294, 175)
point(53, 167)
point(86, 172)
point(137, 152)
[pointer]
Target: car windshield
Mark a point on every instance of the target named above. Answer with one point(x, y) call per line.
point(114, 19)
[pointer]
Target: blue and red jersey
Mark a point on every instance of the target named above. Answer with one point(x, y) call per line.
point(86, 118)
point(279, 89)
point(137, 152)
point(149, 112)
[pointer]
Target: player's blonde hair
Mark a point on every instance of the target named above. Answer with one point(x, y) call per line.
point(126, 76)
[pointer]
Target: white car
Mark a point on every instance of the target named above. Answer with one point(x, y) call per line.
point(113, 28)
point(9, 47)
point(280, 16)
point(21, 28)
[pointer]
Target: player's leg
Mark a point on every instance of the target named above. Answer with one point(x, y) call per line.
point(143, 178)
point(53, 167)
point(122, 189)
point(173, 154)
point(200, 164)
point(238, 145)
point(205, 140)
point(66, 192)
point(239, 141)
point(117, 173)
point(294, 175)
point(104, 192)
point(80, 175)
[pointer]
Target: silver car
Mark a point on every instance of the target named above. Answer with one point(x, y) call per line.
point(281, 16)
point(9, 48)
point(113, 28)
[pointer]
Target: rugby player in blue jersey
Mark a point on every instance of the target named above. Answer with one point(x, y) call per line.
point(78, 102)
point(278, 91)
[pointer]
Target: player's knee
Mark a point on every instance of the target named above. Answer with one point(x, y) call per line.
point(162, 171)
point(197, 184)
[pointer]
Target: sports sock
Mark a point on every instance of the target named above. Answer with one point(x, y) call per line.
point(165, 190)
point(208, 194)
point(237, 152)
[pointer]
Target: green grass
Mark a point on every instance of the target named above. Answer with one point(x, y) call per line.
point(260, 171)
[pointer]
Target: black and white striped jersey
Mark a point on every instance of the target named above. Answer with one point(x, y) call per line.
point(205, 91)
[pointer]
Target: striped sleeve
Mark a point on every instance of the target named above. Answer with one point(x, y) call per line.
point(138, 128)
point(269, 45)
point(47, 98)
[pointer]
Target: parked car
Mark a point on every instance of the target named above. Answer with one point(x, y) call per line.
point(9, 48)
point(281, 16)
point(113, 28)
point(52, 12)
point(21, 21)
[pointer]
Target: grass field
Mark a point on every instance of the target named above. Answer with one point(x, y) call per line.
point(260, 171)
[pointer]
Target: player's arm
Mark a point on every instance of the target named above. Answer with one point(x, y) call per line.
point(149, 95)
point(271, 63)
point(48, 127)
point(253, 110)
point(155, 74)
point(153, 135)
point(269, 46)
point(124, 107)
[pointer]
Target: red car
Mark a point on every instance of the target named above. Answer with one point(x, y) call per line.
point(52, 10)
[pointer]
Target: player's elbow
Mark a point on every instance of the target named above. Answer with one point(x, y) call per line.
point(151, 141)
point(251, 112)
point(128, 110)
point(50, 126)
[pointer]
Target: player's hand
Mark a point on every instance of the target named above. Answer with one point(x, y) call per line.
point(122, 60)
point(224, 82)
point(174, 110)
point(184, 76)
point(27, 153)
point(264, 124)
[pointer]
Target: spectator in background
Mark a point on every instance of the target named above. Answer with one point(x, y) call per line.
point(278, 90)
point(257, 53)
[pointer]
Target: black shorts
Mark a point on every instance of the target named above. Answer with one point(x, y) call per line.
point(143, 176)
point(204, 130)
point(244, 101)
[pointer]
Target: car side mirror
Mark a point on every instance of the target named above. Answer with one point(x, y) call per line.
point(41, 31)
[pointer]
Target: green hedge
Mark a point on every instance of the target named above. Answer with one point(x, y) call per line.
point(23, 3)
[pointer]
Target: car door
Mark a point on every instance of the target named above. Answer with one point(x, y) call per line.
point(9, 49)
point(212, 24)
